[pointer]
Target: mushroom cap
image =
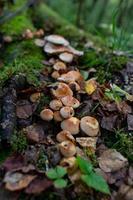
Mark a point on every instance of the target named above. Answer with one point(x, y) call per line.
point(55, 104)
point(70, 164)
point(70, 101)
point(47, 114)
point(65, 135)
point(39, 42)
point(57, 116)
point(67, 148)
point(57, 39)
point(90, 126)
point(60, 66)
point(74, 86)
point(54, 49)
point(70, 76)
point(61, 90)
point(71, 125)
point(35, 97)
point(66, 112)
point(55, 74)
point(66, 57)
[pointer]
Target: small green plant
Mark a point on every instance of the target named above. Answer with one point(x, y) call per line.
point(57, 175)
point(91, 178)
point(19, 142)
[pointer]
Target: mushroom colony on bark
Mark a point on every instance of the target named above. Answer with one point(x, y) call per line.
point(68, 83)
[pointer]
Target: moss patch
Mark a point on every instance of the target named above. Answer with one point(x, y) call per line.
point(19, 23)
point(22, 57)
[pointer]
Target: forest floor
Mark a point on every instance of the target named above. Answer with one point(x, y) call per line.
point(66, 112)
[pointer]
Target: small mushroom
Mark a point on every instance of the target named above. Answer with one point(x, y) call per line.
point(60, 66)
point(57, 116)
point(47, 114)
point(28, 34)
point(70, 76)
point(55, 104)
point(61, 90)
point(70, 164)
point(39, 33)
point(90, 126)
point(55, 75)
point(67, 148)
point(39, 42)
point(35, 97)
point(66, 112)
point(66, 57)
point(65, 135)
point(70, 101)
point(74, 86)
point(54, 49)
point(71, 125)
point(57, 39)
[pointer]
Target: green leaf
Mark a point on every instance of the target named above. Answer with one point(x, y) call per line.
point(84, 165)
point(61, 171)
point(52, 174)
point(96, 181)
point(60, 183)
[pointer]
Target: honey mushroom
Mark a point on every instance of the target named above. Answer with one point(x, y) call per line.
point(66, 112)
point(55, 104)
point(46, 114)
point(65, 135)
point(67, 148)
point(57, 116)
point(71, 124)
point(90, 126)
point(70, 101)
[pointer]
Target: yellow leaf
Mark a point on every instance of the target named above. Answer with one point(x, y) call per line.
point(90, 86)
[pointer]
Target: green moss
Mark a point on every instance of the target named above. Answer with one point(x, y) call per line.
point(19, 23)
point(122, 142)
point(19, 142)
point(22, 57)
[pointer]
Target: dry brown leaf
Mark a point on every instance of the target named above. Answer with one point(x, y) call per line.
point(111, 161)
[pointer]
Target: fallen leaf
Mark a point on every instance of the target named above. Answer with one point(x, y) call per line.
point(90, 86)
point(38, 185)
point(24, 109)
point(17, 181)
point(111, 161)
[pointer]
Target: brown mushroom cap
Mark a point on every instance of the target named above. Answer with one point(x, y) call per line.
point(70, 164)
point(57, 39)
point(35, 97)
point(54, 49)
point(57, 116)
point(71, 76)
point(60, 66)
point(47, 114)
point(71, 125)
point(66, 112)
point(66, 57)
point(55, 75)
point(90, 126)
point(61, 90)
point(67, 149)
point(70, 101)
point(74, 86)
point(55, 104)
point(65, 135)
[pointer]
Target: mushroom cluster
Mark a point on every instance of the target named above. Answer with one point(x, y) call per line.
point(62, 107)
